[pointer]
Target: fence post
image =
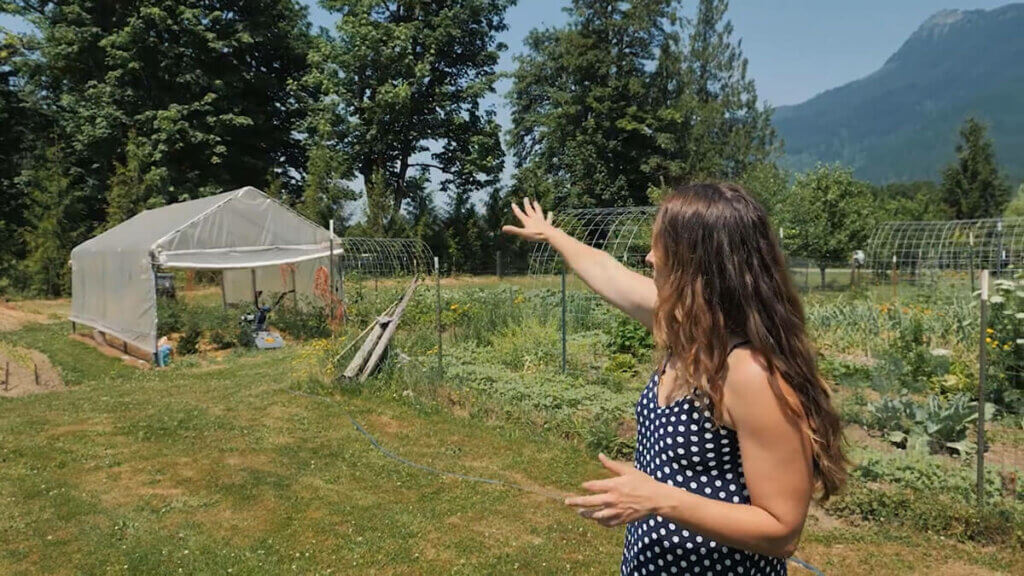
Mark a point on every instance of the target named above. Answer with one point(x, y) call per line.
point(440, 329)
point(330, 277)
point(498, 260)
point(563, 318)
point(7, 375)
point(970, 256)
point(983, 305)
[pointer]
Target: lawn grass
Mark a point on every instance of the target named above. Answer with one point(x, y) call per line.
point(211, 466)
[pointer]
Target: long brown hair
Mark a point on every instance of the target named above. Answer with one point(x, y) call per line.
point(721, 272)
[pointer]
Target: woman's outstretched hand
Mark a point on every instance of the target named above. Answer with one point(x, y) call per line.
point(628, 496)
point(536, 226)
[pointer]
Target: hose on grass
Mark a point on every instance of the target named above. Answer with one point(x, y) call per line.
point(551, 495)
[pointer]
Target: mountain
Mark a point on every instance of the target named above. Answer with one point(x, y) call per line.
point(901, 122)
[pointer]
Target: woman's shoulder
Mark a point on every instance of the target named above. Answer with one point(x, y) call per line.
point(747, 389)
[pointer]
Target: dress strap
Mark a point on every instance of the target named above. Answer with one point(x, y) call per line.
point(664, 363)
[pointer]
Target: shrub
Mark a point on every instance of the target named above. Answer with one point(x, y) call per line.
point(629, 336)
point(309, 320)
point(189, 341)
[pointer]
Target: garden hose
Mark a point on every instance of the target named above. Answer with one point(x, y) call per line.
point(545, 494)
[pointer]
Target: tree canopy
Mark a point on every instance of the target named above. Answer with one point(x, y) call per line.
point(625, 98)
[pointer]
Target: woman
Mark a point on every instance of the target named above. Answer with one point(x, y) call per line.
point(735, 429)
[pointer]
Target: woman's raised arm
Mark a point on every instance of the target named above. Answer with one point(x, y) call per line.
point(629, 291)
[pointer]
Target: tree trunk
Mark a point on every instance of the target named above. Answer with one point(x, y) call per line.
point(822, 268)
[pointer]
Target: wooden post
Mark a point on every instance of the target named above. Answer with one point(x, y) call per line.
point(982, 356)
point(498, 261)
point(295, 289)
point(364, 351)
point(223, 290)
point(255, 297)
point(35, 372)
point(7, 375)
point(389, 332)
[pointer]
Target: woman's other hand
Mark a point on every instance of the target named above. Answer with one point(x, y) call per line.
point(630, 495)
point(536, 226)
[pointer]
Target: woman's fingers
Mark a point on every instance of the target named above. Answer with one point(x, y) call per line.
point(507, 229)
point(519, 213)
point(528, 207)
point(588, 501)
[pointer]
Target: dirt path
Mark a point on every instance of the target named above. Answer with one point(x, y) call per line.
point(24, 371)
point(12, 318)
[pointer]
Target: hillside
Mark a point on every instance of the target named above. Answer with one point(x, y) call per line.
point(900, 122)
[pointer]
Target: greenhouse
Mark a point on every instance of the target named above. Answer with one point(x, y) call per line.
point(245, 231)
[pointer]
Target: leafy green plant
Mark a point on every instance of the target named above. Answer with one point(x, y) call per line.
point(189, 341)
point(629, 336)
point(306, 321)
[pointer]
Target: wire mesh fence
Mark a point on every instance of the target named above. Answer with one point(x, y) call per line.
point(903, 352)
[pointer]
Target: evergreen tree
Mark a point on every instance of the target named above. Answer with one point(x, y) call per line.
point(18, 122)
point(620, 102)
point(725, 131)
point(972, 186)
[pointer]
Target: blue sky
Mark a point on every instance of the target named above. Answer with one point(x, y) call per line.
point(795, 48)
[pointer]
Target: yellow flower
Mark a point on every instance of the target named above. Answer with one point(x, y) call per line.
point(1006, 347)
point(988, 340)
point(454, 306)
point(990, 331)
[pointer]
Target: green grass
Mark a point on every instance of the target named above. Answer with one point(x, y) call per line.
point(211, 467)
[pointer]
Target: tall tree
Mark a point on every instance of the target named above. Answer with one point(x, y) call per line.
point(18, 123)
point(972, 186)
point(827, 215)
point(582, 106)
point(712, 125)
point(408, 78)
point(621, 101)
point(153, 101)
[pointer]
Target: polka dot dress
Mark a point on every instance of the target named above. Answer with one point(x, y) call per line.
point(679, 445)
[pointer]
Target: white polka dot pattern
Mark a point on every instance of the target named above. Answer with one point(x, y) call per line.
point(679, 445)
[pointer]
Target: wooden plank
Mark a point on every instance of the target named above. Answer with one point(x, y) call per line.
point(364, 351)
point(388, 332)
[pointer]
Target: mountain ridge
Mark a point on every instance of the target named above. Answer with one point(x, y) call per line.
point(900, 122)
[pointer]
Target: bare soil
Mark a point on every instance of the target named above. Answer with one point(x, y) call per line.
point(12, 318)
point(24, 371)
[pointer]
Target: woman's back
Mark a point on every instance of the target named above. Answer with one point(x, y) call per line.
point(679, 444)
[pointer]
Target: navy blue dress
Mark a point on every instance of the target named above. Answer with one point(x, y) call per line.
point(679, 445)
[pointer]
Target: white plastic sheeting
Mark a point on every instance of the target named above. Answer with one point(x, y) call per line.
point(112, 275)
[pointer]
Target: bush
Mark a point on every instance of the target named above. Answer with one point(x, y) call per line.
point(307, 321)
point(630, 337)
point(189, 341)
